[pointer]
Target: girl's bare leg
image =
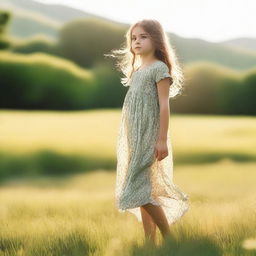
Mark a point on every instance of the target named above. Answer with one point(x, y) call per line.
point(158, 216)
point(149, 226)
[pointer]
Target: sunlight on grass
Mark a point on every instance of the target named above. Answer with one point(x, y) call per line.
point(94, 133)
point(250, 243)
point(77, 215)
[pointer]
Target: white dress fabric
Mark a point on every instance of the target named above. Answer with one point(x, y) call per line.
point(140, 177)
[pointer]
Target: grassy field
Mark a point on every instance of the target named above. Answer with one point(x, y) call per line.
point(76, 215)
point(93, 133)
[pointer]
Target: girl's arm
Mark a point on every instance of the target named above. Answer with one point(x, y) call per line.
point(163, 95)
point(161, 149)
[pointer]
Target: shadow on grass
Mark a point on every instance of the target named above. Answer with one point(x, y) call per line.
point(49, 163)
point(54, 164)
point(211, 157)
point(200, 246)
point(71, 244)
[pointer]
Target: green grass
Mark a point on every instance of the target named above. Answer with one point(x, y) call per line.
point(93, 134)
point(76, 215)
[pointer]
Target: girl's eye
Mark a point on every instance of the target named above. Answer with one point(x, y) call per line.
point(142, 37)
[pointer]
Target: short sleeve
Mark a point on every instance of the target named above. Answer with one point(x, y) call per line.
point(162, 72)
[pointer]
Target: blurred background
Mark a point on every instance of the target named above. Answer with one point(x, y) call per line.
point(60, 107)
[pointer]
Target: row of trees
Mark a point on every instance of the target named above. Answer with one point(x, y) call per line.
point(213, 89)
point(79, 41)
point(40, 81)
point(43, 81)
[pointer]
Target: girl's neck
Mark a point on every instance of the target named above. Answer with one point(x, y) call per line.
point(147, 59)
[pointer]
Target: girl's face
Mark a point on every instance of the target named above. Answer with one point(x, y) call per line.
point(141, 41)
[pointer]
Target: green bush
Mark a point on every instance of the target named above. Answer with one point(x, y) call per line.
point(214, 89)
point(82, 40)
point(35, 44)
point(39, 81)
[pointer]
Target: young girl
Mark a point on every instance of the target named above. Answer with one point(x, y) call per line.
point(144, 175)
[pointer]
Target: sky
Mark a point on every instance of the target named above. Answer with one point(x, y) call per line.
point(211, 20)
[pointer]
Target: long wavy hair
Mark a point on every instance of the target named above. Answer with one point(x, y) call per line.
point(128, 61)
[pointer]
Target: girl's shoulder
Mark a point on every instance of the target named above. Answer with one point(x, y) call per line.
point(161, 71)
point(160, 64)
point(159, 67)
point(155, 67)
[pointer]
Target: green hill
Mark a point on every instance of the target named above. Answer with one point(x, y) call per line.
point(242, 43)
point(31, 17)
point(197, 49)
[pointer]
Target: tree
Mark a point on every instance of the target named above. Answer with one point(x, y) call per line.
point(4, 20)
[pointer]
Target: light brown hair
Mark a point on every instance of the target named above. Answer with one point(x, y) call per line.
point(128, 61)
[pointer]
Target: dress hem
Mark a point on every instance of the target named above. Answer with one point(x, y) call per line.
point(136, 206)
point(170, 221)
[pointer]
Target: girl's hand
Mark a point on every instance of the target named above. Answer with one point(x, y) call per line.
point(161, 149)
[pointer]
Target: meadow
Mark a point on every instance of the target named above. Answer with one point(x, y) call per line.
point(75, 214)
